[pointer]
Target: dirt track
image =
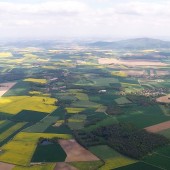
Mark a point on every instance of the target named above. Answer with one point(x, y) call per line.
point(158, 127)
point(76, 152)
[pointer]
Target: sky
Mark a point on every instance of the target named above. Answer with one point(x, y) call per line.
point(84, 19)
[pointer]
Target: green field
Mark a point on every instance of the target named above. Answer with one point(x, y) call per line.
point(122, 101)
point(62, 129)
point(139, 166)
point(165, 133)
point(116, 162)
point(104, 152)
point(42, 125)
point(87, 165)
point(163, 162)
point(29, 116)
point(52, 152)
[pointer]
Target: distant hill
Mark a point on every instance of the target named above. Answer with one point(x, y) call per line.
point(138, 43)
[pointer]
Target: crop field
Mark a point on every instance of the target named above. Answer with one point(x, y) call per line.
point(97, 81)
point(29, 116)
point(49, 166)
point(145, 117)
point(10, 131)
point(116, 162)
point(74, 110)
point(164, 99)
point(104, 152)
point(119, 73)
point(96, 108)
point(158, 127)
point(165, 151)
point(21, 88)
point(2, 121)
point(76, 152)
point(15, 104)
point(52, 152)
point(86, 104)
point(5, 125)
point(157, 160)
point(104, 122)
point(165, 133)
point(62, 129)
point(64, 166)
point(76, 121)
point(87, 165)
point(4, 87)
point(122, 101)
point(139, 166)
point(5, 54)
point(42, 125)
point(21, 148)
point(130, 62)
point(6, 166)
point(33, 80)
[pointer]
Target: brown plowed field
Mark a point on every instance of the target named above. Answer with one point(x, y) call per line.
point(158, 127)
point(76, 152)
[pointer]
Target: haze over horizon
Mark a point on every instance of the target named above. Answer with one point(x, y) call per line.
point(84, 19)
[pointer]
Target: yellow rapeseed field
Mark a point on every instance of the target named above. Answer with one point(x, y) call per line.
point(5, 54)
point(74, 110)
point(10, 131)
point(15, 104)
point(49, 166)
point(42, 81)
point(119, 73)
point(117, 162)
point(21, 148)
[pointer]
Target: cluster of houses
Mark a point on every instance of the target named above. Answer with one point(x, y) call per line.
point(151, 92)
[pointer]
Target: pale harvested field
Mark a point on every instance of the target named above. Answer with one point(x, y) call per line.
point(134, 72)
point(76, 152)
point(130, 62)
point(5, 166)
point(164, 99)
point(162, 73)
point(64, 166)
point(158, 127)
point(4, 87)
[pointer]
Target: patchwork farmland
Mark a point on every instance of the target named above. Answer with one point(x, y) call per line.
point(84, 108)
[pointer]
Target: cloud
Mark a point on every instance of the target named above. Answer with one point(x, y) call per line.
point(82, 18)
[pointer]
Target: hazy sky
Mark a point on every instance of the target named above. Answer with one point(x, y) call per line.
point(53, 19)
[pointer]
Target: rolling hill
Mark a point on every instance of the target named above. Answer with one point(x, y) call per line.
point(138, 43)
